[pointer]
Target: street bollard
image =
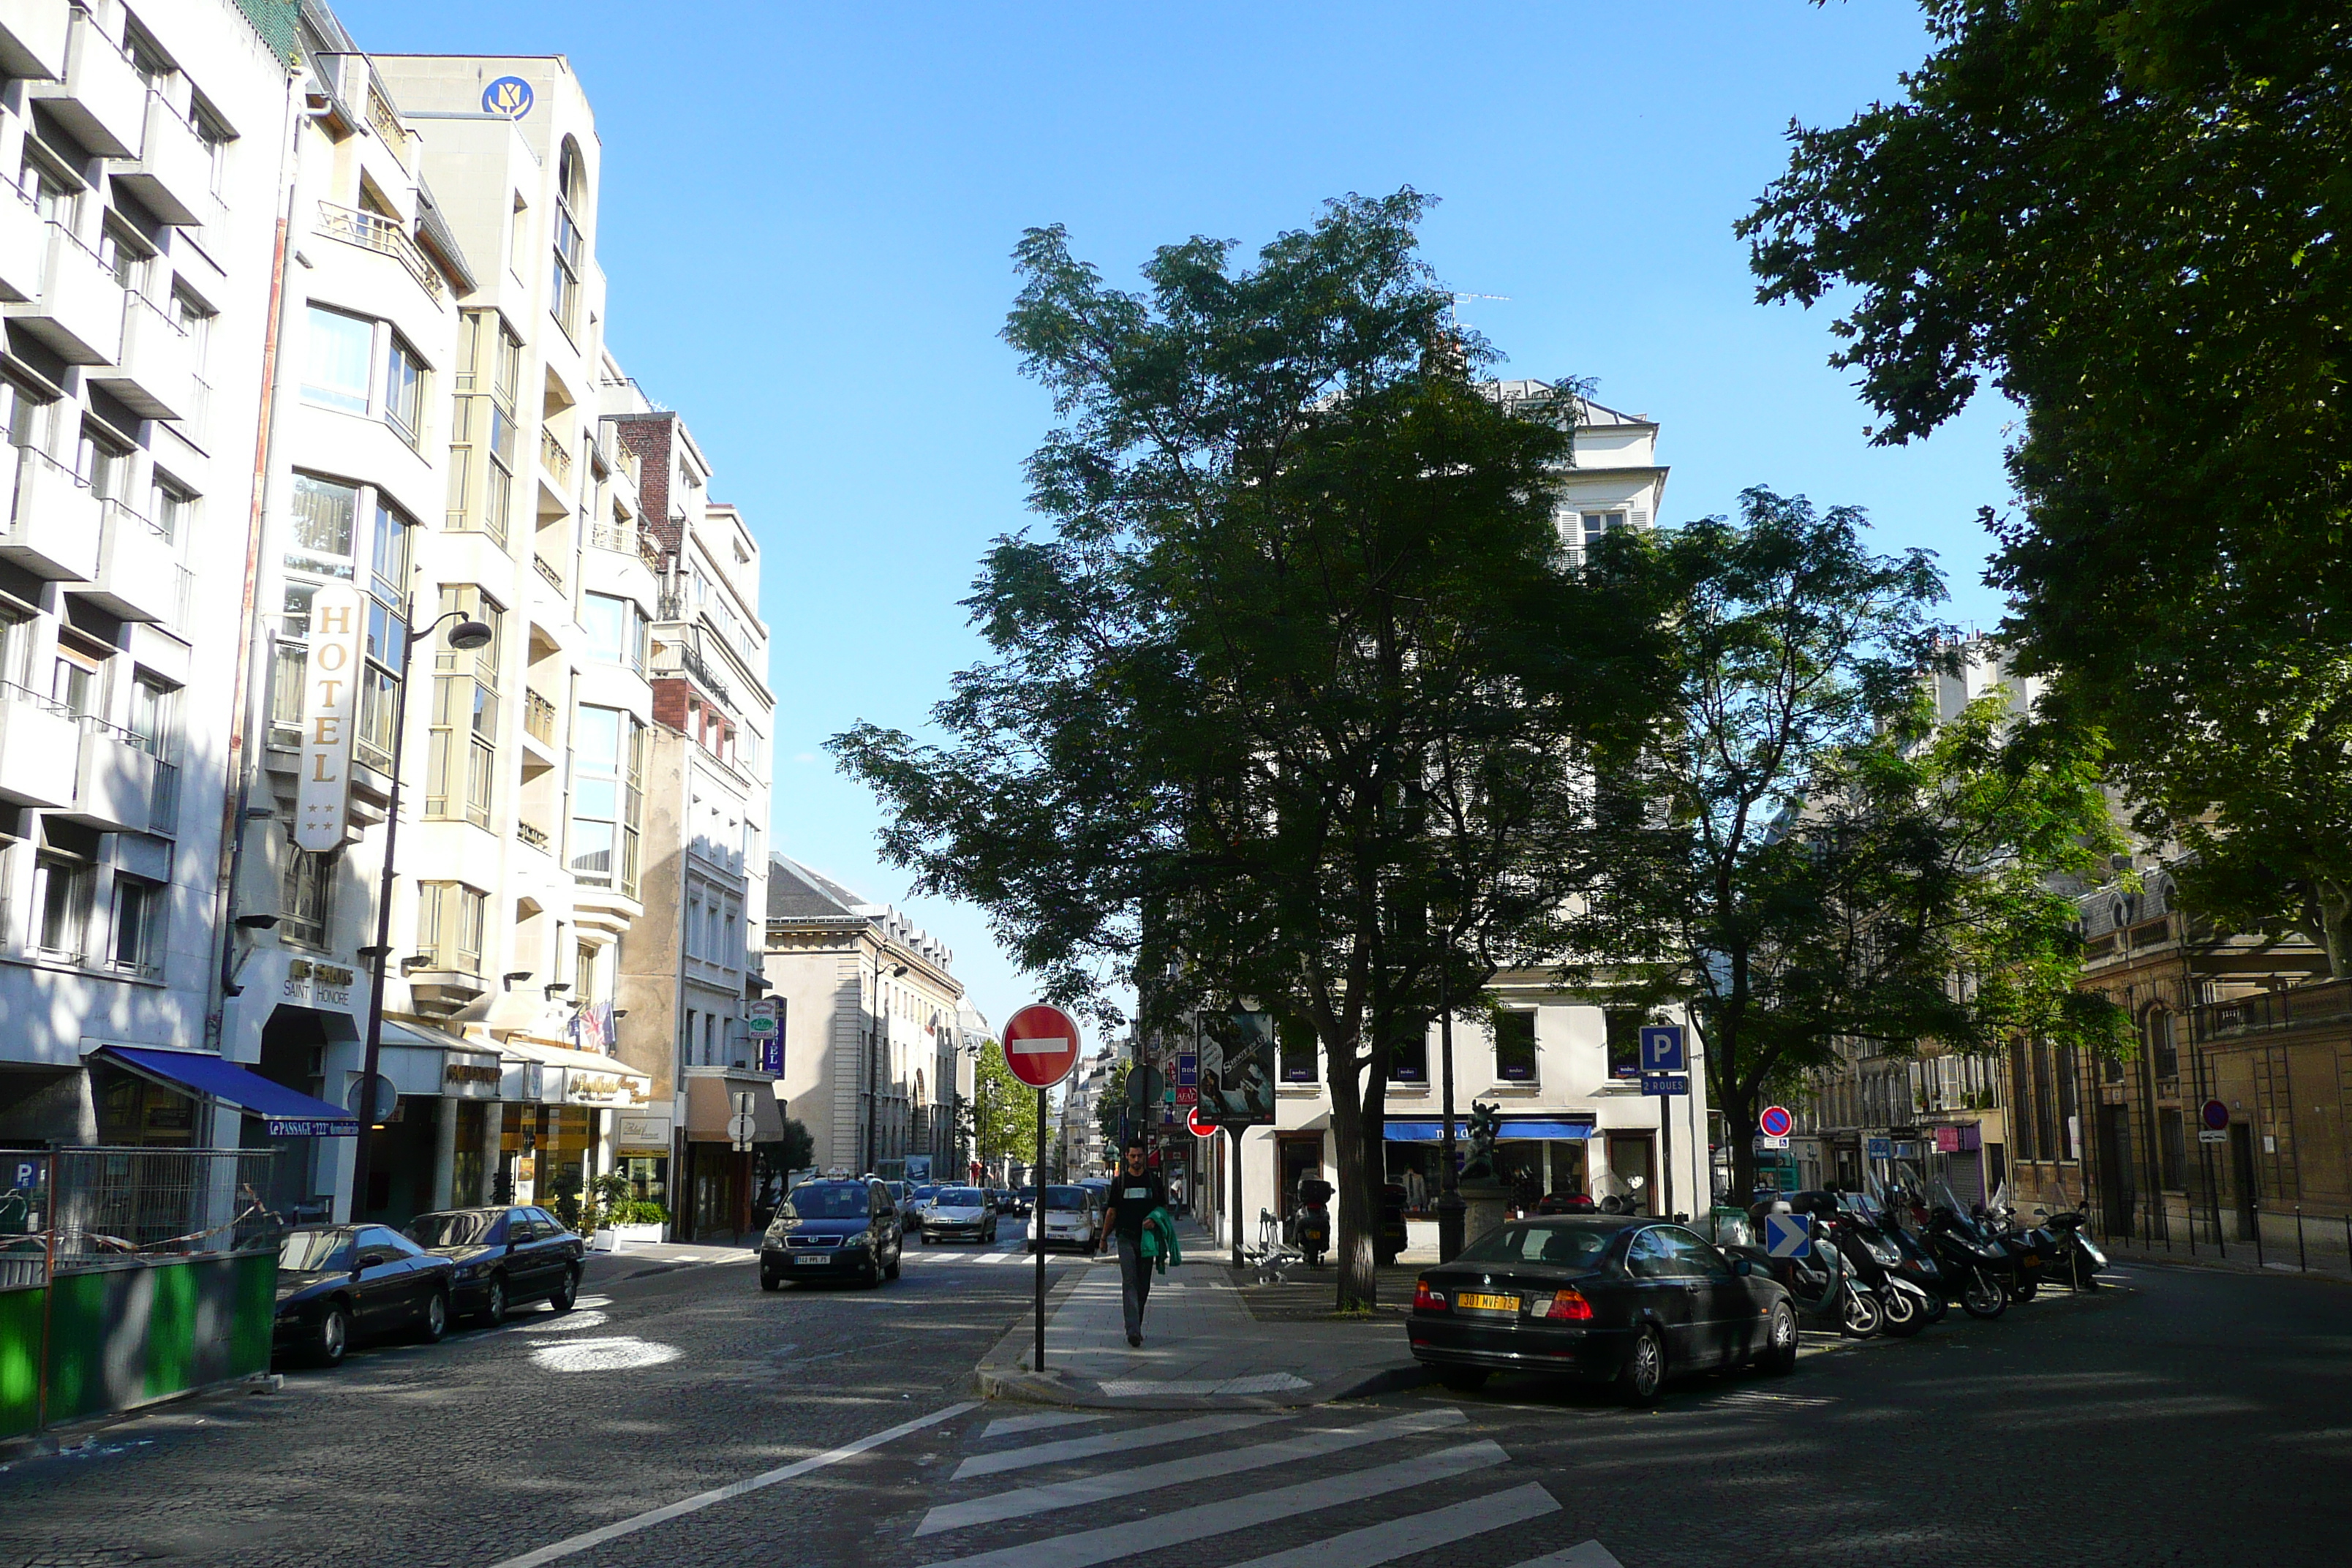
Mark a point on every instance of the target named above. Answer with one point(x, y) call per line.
point(2302, 1258)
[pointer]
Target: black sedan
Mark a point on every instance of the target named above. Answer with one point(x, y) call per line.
point(341, 1282)
point(832, 1230)
point(504, 1257)
point(1626, 1301)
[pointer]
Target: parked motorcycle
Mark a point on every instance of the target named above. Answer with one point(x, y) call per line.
point(1822, 1287)
point(2053, 1252)
point(1979, 1274)
point(1310, 1220)
point(1853, 1228)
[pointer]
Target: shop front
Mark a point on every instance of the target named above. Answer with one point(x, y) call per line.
point(719, 1181)
point(554, 1130)
point(1535, 1154)
point(641, 1151)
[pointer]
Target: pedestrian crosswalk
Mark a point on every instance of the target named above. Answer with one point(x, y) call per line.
point(1313, 1488)
point(1021, 1255)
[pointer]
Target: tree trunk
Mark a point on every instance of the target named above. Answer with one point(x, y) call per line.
point(2334, 901)
point(1358, 1219)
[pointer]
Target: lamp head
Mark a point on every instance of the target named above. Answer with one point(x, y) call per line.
point(468, 635)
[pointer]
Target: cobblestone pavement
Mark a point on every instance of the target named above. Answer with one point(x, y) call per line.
point(2181, 1418)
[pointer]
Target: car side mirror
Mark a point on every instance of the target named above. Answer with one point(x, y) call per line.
point(367, 1261)
point(1743, 1267)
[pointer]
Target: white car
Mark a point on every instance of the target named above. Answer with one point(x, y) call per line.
point(1064, 1216)
point(960, 1214)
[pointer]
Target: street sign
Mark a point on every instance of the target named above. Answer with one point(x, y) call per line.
point(740, 1128)
point(387, 1100)
point(28, 1173)
point(1766, 1141)
point(2207, 1135)
point(1775, 1122)
point(1788, 1234)
point(1881, 1147)
point(1188, 1072)
point(2214, 1115)
point(763, 1016)
point(1185, 1096)
point(1666, 1083)
point(1041, 1045)
point(1662, 1049)
point(1198, 1128)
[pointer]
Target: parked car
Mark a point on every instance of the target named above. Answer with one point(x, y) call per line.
point(960, 1214)
point(340, 1283)
point(504, 1257)
point(1628, 1300)
point(918, 1202)
point(1066, 1217)
point(833, 1230)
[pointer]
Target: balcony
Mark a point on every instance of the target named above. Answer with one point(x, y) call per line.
point(385, 237)
point(100, 98)
point(624, 539)
point(77, 309)
point(53, 521)
point(118, 783)
point(680, 652)
point(40, 742)
point(538, 718)
point(174, 174)
point(550, 571)
point(535, 836)
point(156, 373)
point(24, 244)
point(137, 579)
point(33, 38)
point(557, 456)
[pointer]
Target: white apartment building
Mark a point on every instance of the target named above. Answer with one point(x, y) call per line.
point(866, 995)
point(142, 147)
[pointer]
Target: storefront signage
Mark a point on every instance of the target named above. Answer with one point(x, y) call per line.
point(329, 706)
point(637, 1130)
point(763, 1017)
point(318, 984)
point(469, 1072)
point(600, 1088)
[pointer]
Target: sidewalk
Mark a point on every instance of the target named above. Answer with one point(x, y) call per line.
point(1202, 1348)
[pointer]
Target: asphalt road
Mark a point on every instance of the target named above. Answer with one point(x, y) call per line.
point(2177, 1418)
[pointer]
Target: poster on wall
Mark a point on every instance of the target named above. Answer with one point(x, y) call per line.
point(1236, 1069)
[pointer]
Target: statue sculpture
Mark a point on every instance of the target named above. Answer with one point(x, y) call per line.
point(1486, 1126)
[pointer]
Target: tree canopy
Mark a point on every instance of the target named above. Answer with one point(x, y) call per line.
point(2130, 216)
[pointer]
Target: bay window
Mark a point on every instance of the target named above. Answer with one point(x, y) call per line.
point(607, 783)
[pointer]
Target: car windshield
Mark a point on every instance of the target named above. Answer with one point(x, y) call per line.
point(959, 1197)
point(1568, 1246)
point(922, 1193)
point(309, 1251)
point(825, 1203)
point(463, 1228)
point(1065, 1197)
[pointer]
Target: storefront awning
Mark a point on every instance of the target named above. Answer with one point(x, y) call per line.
point(1520, 1127)
point(289, 1112)
point(557, 1075)
point(710, 1105)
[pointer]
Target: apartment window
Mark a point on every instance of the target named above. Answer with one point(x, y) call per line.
point(2172, 1151)
point(1594, 524)
point(78, 676)
point(28, 417)
point(694, 925)
point(61, 893)
point(519, 240)
point(482, 429)
point(464, 756)
point(1515, 1046)
point(154, 716)
point(2163, 1050)
point(15, 644)
point(1408, 1060)
point(729, 955)
point(1625, 1025)
point(404, 390)
point(105, 462)
point(341, 355)
point(685, 1044)
point(216, 139)
point(2022, 1116)
point(170, 508)
point(583, 974)
point(451, 919)
point(55, 194)
point(137, 909)
point(125, 255)
point(306, 896)
point(325, 518)
point(616, 629)
point(570, 186)
point(607, 761)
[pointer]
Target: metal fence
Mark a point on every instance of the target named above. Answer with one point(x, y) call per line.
point(112, 1206)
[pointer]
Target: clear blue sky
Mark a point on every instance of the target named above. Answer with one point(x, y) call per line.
point(807, 214)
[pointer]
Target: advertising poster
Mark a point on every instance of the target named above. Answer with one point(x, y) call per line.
point(1236, 1069)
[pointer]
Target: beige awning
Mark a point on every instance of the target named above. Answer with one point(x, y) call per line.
point(562, 1076)
point(710, 1105)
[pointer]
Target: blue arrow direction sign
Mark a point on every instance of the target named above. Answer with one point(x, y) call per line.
point(1666, 1083)
point(1880, 1148)
point(1788, 1234)
point(1662, 1048)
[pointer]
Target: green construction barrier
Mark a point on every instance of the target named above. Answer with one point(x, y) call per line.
point(20, 1359)
point(119, 1338)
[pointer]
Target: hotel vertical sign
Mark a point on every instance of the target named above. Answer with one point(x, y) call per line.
point(329, 709)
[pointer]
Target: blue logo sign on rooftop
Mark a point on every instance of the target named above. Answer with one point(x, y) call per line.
point(509, 98)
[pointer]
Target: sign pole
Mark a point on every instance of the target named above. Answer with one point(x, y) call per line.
point(1667, 1154)
point(1234, 1137)
point(1037, 1234)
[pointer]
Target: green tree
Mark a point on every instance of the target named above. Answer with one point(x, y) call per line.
point(1807, 854)
point(799, 1150)
point(2130, 215)
point(1296, 697)
point(1003, 1109)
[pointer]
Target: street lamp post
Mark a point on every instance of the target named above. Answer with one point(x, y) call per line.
point(466, 635)
point(877, 1040)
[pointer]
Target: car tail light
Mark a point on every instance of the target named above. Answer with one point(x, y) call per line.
point(1426, 1299)
point(1568, 1306)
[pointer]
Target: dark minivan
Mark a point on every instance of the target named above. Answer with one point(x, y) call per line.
point(832, 1230)
point(504, 1257)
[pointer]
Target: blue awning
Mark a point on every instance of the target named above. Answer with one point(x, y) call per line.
point(1520, 1127)
point(289, 1112)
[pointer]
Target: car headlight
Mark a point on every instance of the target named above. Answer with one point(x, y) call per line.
point(861, 1239)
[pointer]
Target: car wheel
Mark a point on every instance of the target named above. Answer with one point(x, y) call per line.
point(891, 1270)
point(1462, 1379)
point(1780, 1357)
point(494, 1301)
point(1983, 1297)
point(436, 1318)
point(1644, 1372)
point(566, 1291)
point(334, 1340)
point(770, 1280)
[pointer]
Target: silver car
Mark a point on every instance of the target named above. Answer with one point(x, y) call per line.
point(960, 1214)
point(1064, 1216)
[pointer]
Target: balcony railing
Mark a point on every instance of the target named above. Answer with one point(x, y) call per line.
point(387, 124)
point(2290, 1008)
point(371, 232)
point(683, 654)
point(548, 570)
point(556, 456)
point(538, 718)
point(533, 833)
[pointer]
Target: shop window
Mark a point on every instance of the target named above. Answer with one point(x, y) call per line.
point(133, 1112)
point(1515, 1045)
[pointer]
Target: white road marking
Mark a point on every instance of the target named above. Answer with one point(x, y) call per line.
point(1588, 1554)
point(1011, 1423)
point(571, 1545)
point(1180, 1472)
point(1088, 1447)
point(1415, 1532)
point(1086, 1548)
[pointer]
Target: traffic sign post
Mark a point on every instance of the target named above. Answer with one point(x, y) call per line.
point(1880, 1148)
point(1041, 1048)
point(2214, 1122)
point(1776, 1121)
point(1788, 1234)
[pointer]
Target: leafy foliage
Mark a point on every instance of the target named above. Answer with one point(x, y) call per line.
point(2131, 215)
point(1003, 1109)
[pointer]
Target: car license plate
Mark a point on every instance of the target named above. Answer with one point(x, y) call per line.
point(1473, 1301)
point(815, 1257)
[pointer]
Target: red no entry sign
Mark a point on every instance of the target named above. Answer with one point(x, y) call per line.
point(1198, 1128)
point(1041, 1045)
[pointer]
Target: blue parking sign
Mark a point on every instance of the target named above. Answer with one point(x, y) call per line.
point(26, 1174)
point(1662, 1048)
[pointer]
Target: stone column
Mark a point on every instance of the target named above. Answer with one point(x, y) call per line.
point(494, 1125)
point(444, 1153)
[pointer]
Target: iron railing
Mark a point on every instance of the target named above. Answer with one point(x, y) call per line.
point(2292, 1007)
point(109, 1206)
point(369, 231)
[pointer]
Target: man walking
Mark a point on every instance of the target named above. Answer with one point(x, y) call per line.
point(1134, 1193)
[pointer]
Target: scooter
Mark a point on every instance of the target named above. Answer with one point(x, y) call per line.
point(1875, 1259)
point(1310, 1220)
point(1980, 1274)
point(2053, 1252)
point(1823, 1287)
